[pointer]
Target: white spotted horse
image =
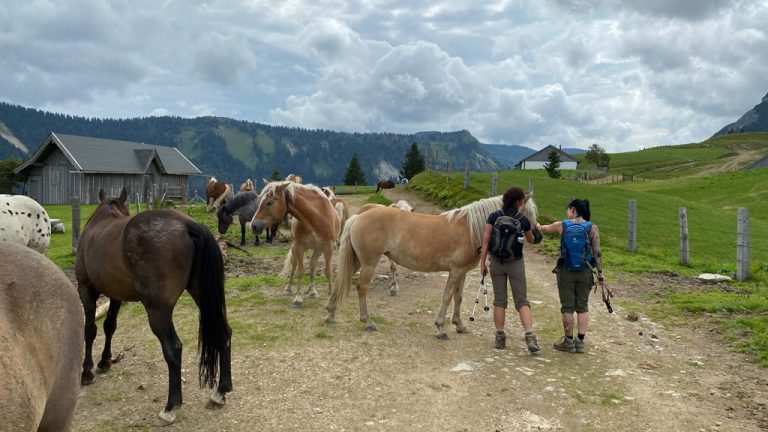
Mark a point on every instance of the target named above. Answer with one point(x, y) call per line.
point(24, 221)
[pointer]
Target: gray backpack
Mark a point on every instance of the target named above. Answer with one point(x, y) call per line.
point(506, 238)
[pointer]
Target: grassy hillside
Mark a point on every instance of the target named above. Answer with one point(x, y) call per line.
point(724, 153)
point(711, 202)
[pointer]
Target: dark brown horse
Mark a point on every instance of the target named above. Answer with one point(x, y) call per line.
point(42, 342)
point(152, 258)
point(214, 191)
point(384, 184)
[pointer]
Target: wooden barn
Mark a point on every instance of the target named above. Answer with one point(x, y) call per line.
point(541, 157)
point(65, 166)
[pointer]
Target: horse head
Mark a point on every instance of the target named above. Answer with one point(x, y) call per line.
point(110, 207)
point(328, 192)
point(225, 219)
point(275, 201)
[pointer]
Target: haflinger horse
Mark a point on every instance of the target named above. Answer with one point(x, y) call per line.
point(42, 342)
point(315, 226)
point(293, 178)
point(24, 221)
point(341, 207)
point(384, 184)
point(153, 257)
point(449, 241)
point(247, 186)
point(216, 193)
point(244, 205)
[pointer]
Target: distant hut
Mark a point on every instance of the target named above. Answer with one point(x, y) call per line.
point(541, 157)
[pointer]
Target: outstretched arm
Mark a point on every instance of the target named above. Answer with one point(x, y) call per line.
point(554, 227)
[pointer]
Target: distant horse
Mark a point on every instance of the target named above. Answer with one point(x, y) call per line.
point(247, 186)
point(244, 204)
point(384, 184)
point(42, 342)
point(215, 192)
point(293, 178)
point(152, 258)
point(341, 207)
point(446, 242)
point(24, 221)
point(315, 226)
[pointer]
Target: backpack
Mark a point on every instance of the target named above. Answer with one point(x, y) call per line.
point(575, 247)
point(506, 238)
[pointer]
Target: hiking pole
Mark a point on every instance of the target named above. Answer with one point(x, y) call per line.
point(477, 299)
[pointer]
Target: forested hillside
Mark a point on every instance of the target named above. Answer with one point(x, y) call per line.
point(235, 150)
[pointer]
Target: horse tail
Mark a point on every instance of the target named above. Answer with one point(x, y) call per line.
point(287, 264)
point(208, 277)
point(347, 265)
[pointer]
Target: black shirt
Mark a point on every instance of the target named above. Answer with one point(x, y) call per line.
point(525, 224)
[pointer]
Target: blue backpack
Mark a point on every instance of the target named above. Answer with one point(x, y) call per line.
point(575, 247)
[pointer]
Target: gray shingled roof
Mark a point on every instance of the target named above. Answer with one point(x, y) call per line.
point(103, 155)
point(543, 155)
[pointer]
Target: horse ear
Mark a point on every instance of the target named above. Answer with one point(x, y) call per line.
point(123, 196)
point(102, 195)
point(266, 182)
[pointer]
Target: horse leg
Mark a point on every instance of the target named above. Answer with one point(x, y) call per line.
point(312, 266)
point(288, 288)
point(366, 273)
point(457, 297)
point(448, 292)
point(298, 258)
point(271, 233)
point(88, 297)
point(328, 259)
point(394, 288)
point(162, 326)
point(110, 325)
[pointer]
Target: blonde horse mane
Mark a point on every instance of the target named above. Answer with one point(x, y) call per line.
point(478, 211)
point(291, 188)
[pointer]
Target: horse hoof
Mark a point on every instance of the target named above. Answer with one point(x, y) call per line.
point(167, 416)
point(330, 320)
point(372, 327)
point(394, 293)
point(314, 294)
point(217, 400)
point(462, 329)
point(298, 303)
point(103, 368)
point(87, 378)
point(442, 335)
point(288, 293)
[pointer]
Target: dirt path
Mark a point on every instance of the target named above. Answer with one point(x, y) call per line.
point(294, 372)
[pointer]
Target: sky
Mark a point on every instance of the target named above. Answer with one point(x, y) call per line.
point(624, 74)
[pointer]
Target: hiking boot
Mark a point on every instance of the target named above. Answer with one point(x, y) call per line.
point(565, 345)
point(501, 340)
point(530, 340)
point(578, 344)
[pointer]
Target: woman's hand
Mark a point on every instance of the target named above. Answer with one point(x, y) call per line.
point(483, 268)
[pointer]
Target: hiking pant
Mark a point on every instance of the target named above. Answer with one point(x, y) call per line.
point(573, 287)
point(514, 271)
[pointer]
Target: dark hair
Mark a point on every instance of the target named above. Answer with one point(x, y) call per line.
point(581, 207)
point(511, 197)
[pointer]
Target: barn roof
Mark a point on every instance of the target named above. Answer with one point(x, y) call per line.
point(98, 155)
point(543, 156)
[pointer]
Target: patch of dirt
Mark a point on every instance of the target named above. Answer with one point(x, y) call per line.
point(291, 371)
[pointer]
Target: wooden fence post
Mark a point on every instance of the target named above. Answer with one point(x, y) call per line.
point(494, 182)
point(466, 175)
point(75, 222)
point(530, 184)
point(631, 244)
point(138, 203)
point(742, 244)
point(685, 258)
point(448, 168)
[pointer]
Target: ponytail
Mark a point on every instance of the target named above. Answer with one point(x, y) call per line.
point(581, 207)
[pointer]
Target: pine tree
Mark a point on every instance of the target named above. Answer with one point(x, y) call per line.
point(7, 178)
point(413, 164)
point(354, 175)
point(553, 164)
point(276, 175)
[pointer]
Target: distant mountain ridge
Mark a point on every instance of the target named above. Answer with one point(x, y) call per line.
point(235, 150)
point(754, 120)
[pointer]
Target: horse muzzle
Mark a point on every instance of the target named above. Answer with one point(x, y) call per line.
point(257, 226)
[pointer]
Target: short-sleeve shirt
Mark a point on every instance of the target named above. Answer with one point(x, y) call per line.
point(525, 224)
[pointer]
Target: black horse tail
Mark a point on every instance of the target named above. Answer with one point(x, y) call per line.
point(207, 279)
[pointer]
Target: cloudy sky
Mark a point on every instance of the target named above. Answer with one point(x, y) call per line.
point(625, 74)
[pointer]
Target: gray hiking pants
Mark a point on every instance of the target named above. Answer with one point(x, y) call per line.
point(513, 270)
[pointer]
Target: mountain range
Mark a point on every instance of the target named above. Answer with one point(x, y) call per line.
point(754, 120)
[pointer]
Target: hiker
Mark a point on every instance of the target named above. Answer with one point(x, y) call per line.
point(574, 270)
point(510, 268)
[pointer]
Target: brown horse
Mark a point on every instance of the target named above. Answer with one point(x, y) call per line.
point(42, 342)
point(341, 207)
point(384, 184)
point(247, 186)
point(446, 242)
point(152, 258)
point(215, 193)
point(315, 226)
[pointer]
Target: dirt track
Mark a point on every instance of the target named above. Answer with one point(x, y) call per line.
point(294, 372)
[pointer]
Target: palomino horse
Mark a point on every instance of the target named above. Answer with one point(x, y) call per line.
point(244, 204)
point(42, 342)
point(446, 242)
point(315, 226)
point(152, 258)
point(341, 207)
point(384, 184)
point(215, 193)
point(293, 178)
point(247, 186)
point(24, 221)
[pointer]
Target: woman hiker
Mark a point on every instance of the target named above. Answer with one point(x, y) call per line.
point(579, 257)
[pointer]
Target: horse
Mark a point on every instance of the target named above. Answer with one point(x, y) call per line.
point(384, 184)
point(247, 186)
point(153, 257)
point(449, 241)
point(42, 342)
point(24, 221)
point(215, 193)
point(341, 207)
point(315, 226)
point(293, 178)
point(244, 204)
